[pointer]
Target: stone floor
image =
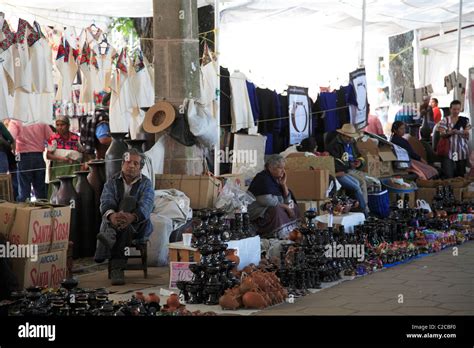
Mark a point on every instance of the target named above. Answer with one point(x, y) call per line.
point(438, 284)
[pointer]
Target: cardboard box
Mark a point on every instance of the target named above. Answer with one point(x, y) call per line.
point(202, 190)
point(372, 165)
point(43, 225)
point(49, 270)
point(386, 169)
point(467, 195)
point(383, 151)
point(248, 156)
point(180, 253)
point(298, 161)
point(426, 193)
point(458, 192)
point(309, 184)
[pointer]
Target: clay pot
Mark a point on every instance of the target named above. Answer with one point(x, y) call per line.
point(153, 298)
point(67, 195)
point(253, 300)
point(139, 296)
point(113, 156)
point(248, 269)
point(86, 215)
point(173, 302)
point(231, 256)
point(227, 301)
point(295, 236)
point(248, 284)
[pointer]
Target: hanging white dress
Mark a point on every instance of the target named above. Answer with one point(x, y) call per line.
point(67, 66)
point(121, 100)
point(105, 67)
point(89, 75)
point(208, 84)
point(141, 84)
point(23, 106)
point(42, 79)
point(6, 70)
point(143, 93)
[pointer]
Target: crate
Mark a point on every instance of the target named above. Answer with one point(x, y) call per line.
point(6, 187)
point(180, 253)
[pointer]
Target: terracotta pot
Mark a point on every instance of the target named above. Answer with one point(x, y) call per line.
point(228, 301)
point(67, 195)
point(87, 215)
point(231, 256)
point(253, 300)
point(248, 284)
point(173, 301)
point(139, 296)
point(153, 298)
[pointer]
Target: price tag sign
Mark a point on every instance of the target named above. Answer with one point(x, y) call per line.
point(179, 271)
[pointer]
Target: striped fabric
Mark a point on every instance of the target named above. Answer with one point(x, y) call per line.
point(458, 144)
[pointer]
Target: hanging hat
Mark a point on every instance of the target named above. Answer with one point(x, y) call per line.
point(159, 117)
point(349, 130)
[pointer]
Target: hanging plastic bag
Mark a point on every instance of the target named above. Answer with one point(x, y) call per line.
point(201, 123)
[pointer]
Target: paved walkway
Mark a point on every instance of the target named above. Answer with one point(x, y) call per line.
point(438, 284)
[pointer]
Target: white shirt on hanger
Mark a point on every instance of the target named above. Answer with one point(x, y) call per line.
point(241, 109)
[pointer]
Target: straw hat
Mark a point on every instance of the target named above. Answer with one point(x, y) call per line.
point(159, 117)
point(349, 130)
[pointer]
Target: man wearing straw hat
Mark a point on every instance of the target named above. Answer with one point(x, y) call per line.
point(347, 160)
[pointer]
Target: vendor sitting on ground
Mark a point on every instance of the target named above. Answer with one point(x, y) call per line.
point(275, 211)
point(418, 164)
point(126, 205)
point(347, 160)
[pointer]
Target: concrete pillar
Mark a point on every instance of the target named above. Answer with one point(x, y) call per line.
point(176, 49)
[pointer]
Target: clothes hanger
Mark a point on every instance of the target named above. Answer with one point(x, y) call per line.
point(101, 44)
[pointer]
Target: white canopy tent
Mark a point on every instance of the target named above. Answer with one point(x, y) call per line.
point(308, 43)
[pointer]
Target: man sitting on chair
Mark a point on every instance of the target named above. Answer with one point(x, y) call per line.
point(126, 205)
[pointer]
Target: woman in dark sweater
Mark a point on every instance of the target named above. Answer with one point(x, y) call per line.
point(418, 164)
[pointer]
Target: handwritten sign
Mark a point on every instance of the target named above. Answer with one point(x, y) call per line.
point(179, 271)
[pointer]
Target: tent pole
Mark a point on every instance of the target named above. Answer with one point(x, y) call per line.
point(217, 147)
point(459, 40)
point(362, 42)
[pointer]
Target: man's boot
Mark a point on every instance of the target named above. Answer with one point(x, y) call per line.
point(117, 267)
